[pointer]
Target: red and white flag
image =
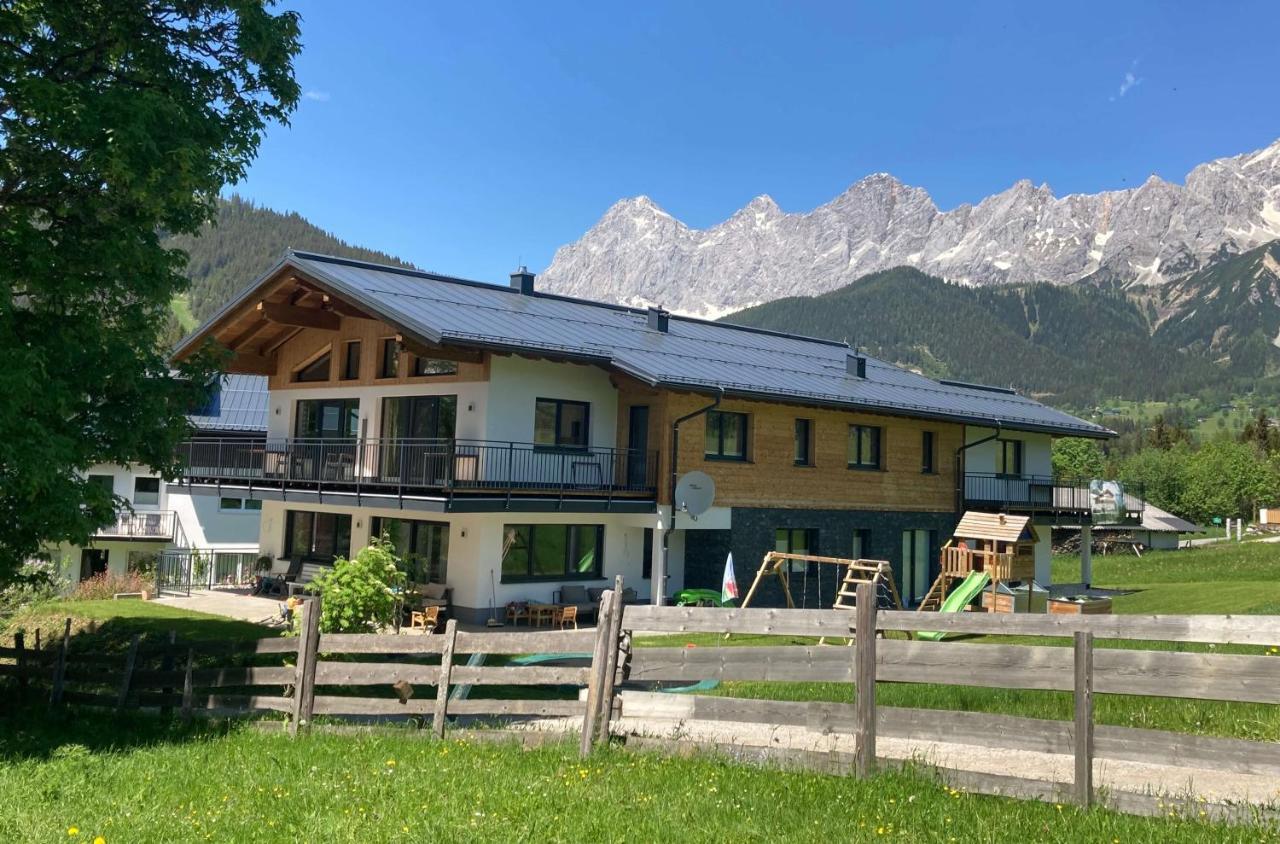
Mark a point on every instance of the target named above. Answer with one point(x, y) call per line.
point(729, 585)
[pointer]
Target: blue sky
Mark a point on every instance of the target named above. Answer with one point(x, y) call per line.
point(466, 137)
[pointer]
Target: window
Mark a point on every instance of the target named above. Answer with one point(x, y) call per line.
point(552, 552)
point(804, 442)
point(239, 505)
point(861, 544)
point(917, 552)
point(795, 540)
point(433, 366)
point(389, 366)
point(351, 360)
point(317, 370)
point(726, 435)
point(561, 423)
point(316, 537)
point(327, 419)
point(864, 447)
point(107, 483)
point(928, 453)
point(423, 547)
point(1010, 457)
point(146, 492)
point(646, 567)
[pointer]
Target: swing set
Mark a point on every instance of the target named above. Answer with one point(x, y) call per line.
point(876, 572)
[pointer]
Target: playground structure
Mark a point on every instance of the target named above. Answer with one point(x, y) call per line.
point(985, 550)
point(876, 572)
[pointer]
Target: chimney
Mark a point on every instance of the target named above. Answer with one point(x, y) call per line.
point(658, 319)
point(856, 364)
point(522, 280)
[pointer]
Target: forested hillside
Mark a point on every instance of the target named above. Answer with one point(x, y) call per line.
point(1072, 346)
point(244, 242)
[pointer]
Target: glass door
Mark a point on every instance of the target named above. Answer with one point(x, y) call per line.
point(326, 431)
point(638, 446)
point(915, 565)
point(417, 438)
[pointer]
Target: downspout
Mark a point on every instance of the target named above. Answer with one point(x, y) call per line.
point(960, 463)
point(660, 577)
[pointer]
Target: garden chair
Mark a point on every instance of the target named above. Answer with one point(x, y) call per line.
point(424, 619)
point(568, 616)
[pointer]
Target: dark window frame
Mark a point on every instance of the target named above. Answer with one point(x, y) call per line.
point(860, 536)
point(418, 364)
point(436, 566)
point(345, 407)
point(873, 462)
point(715, 430)
point(570, 552)
point(350, 361)
point(311, 554)
point(560, 405)
point(928, 453)
point(302, 375)
point(138, 480)
point(810, 540)
point(389, 353)
point(803, 435)
point(1018, 457)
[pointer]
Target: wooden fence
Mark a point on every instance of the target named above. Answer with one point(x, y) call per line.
point(356, 675)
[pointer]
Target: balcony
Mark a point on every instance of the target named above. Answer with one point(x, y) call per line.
point(1105, 503)
point(457, 470)
point(149, 525)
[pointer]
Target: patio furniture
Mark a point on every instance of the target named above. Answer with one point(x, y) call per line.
point(517, 610)
point(576, 596)
point(300, 580)
point(543, 613)
point(568, 616)
point(424, 619)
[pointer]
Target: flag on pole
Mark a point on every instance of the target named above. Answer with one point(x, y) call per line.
point(729, 585)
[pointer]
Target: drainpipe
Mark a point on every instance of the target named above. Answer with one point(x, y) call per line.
point(960, 463)
point(660, 576)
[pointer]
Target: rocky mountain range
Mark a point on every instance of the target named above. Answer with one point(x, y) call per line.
point(639, 254)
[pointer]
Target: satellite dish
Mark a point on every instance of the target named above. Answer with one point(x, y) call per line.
point(694, 493)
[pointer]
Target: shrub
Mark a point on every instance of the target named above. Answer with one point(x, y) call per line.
point(105, 585)
point(358, 595)
point(34, 583)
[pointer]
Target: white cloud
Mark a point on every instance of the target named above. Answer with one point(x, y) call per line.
point(1131, 81)
point(316, 96)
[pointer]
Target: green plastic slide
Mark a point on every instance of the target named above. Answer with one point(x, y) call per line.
point(959, 598)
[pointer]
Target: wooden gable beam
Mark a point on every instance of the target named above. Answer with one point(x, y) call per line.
point(440, 352)
point(237, 342)
point(251, 364)
point(299, 317)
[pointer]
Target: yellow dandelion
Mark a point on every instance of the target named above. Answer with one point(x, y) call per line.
point(73, 831)
point(99, 840)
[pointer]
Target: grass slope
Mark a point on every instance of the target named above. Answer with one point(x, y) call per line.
point(147, 781)
point(114, 623)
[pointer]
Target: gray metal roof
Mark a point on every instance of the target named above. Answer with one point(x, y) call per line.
point(240, 405)
point(693, 354)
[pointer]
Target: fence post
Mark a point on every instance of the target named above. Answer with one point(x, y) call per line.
point(166, 666)
point(611, 661)
point(864, 674)
point(304, 683)
point(60, 667)
point(130, 660)
point(446, 672)
point(188, 687)
point(1084, 717)
point(19, 644)
point(599, 661)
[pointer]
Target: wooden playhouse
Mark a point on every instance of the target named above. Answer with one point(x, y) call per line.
point(996, 544)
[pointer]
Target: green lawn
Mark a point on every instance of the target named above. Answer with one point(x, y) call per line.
point(145, 780)
point(1212, 580)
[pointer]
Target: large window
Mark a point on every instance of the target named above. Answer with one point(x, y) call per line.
point(864, 447)
point(239, 505)
point(1010, 458)
point(351, 360)
point(327, 419)
point(796, 541)
point(726, 435)
point(552, 552)
point(804, 442)
point(928, 453)
point(317, 370)
point(423, 547)
point(106, 483)
point(433, 366)
point(389, 365)
point(146, 492)
point(557, 422)
point(316, 537)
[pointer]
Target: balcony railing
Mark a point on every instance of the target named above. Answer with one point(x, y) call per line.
point(1044, 493)
point(159, 524)
point(402, 466)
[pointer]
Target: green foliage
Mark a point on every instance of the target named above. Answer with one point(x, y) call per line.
point(1161, 473)
point(105, 586)
point(118, 119)
point(1228, 479)
point(34, 583)
point(358, 594)
point(1076, 457)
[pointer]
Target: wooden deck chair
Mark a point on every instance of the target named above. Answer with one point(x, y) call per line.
point(568, 615)
point(425, 618)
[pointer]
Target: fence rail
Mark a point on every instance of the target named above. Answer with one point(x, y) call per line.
point(396, 676)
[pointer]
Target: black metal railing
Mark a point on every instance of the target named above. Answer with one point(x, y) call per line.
point(1052, 494)
point(159, 524)
point(400, 466)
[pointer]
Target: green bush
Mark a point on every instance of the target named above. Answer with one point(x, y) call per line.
point(34, 583)
point(359, 595)
point(104, 586)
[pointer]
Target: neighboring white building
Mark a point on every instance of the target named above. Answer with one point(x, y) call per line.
point(165, 518)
